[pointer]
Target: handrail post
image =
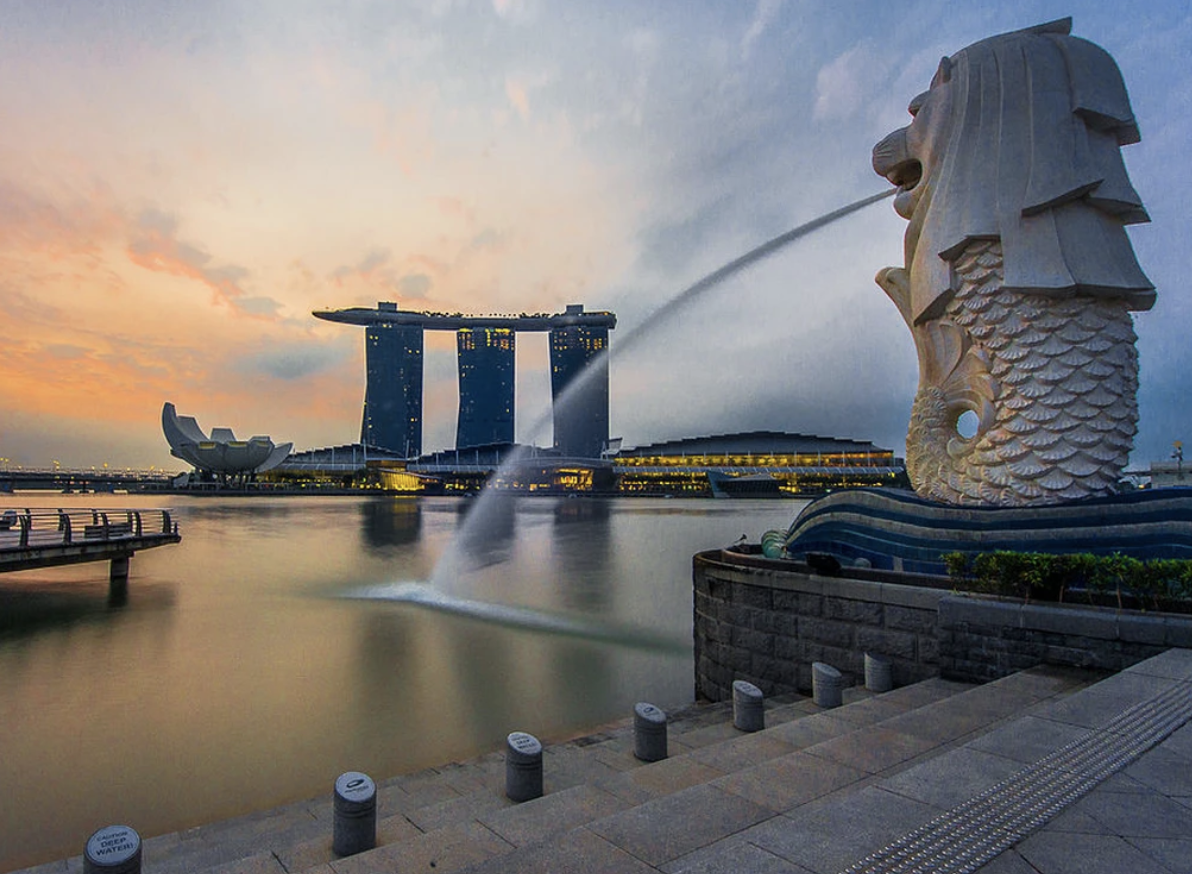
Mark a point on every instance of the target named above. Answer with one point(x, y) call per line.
point(138, 521)
point(106, 534)
point(26, 523)
point(64, 526)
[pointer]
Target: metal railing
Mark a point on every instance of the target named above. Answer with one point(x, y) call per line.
point(21, 529)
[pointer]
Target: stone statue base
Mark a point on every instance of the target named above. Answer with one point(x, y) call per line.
point(895, 530)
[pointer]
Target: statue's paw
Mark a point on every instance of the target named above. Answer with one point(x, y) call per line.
point(895, 282)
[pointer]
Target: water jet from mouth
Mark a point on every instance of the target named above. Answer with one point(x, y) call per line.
point(449, 568)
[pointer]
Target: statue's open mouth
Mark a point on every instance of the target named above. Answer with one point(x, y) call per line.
point(906, 175)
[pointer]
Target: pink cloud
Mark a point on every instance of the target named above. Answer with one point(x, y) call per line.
point(518, 98)
point(156, 247)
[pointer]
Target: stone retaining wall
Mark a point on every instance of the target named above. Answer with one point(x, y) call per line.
point(767, 625)
point(766, 622)
point(984, 638)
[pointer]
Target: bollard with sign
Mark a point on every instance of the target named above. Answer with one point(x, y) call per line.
point(748, 706)
point(115, 849)
point(355, 826)
point(649, 732)
point(523, 767)
point(879, 676)
point(827, 685)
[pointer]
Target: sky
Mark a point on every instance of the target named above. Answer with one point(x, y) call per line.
point(183, 181)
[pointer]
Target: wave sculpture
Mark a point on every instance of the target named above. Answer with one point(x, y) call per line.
point(1019, 279)
point(221, 453)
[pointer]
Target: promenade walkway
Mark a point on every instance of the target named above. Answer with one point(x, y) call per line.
point(45, 538)
point(1044, 772)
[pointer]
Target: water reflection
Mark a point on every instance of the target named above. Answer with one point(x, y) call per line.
point(236, 678)
point(390, 521)
point(581, 542)
point(31, 603)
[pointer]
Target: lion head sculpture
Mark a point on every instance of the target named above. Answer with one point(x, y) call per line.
point(1018, 271)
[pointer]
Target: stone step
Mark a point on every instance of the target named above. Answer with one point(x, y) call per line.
point(700, 778)
point(457, 815)
point(722, 784)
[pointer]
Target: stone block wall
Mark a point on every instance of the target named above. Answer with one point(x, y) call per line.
point(984, 639)
point(768, 625)
point(766, 622)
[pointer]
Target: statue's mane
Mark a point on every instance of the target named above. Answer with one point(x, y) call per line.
point(1033, 159)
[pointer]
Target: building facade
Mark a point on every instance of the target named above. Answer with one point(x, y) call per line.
point(580, 407)
point(393, 388)
point(755, 464)
point(485, 348)
point(486, 390)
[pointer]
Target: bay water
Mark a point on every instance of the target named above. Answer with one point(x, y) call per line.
point(288, 639)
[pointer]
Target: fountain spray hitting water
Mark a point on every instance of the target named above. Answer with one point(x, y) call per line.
point(452, 565)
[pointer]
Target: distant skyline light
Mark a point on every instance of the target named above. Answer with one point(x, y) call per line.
point(183, 183)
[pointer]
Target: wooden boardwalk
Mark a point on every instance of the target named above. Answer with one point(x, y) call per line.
point(46, 538)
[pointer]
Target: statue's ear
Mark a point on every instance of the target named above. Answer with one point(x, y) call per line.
point(943, 75)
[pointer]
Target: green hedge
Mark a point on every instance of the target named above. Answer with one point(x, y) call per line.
point(1050, 577)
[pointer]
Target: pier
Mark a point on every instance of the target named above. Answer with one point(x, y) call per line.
point(32, 539)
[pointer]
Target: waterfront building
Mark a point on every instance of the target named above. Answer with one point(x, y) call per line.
point(485, 349)
point(393, 388)
point(486, 391)
point(351, 467)
point(751, 464)
point(580, 415)
point(219, 457)
point(755, 464)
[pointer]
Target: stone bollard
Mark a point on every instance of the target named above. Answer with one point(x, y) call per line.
point(826, 685)
point(748, 714)
point(355, 824)
point(649, 732)
point(879, 676)
point(115, 849)
point(523, 767)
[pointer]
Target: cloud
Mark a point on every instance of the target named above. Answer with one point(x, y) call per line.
point(518, 98)
point(510, 9)
point(258, 306)
point(763, 16)
point(414, 285)
point(366, 267)
point(293, 360)
point(844, 84)
point(486, 239)
point(155, 246)
point(66, 351)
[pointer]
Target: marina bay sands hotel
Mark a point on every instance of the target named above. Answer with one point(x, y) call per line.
point(485, 347)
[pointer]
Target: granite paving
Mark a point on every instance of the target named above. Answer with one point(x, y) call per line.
point(815, 792)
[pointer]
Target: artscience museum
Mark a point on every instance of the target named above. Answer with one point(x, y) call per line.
point(219, 455)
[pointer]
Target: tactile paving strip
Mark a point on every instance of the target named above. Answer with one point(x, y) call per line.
point(967, 836)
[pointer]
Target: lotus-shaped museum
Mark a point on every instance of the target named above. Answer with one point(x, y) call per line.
point(221, 453)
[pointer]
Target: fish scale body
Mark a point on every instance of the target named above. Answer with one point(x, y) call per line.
point(1059, 375)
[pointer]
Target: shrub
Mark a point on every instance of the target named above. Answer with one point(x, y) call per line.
point(1049, 576)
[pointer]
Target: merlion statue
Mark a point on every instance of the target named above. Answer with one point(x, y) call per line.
point(1019, 278)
